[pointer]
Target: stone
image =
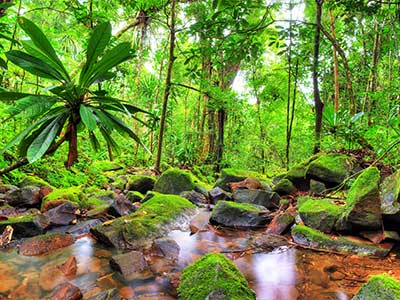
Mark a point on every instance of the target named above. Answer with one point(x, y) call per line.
point(63, 214)
point(269, 200)
point(131, 265)
point(26, 290)
point(166, 248)
point(81, 228)
point(106, 295)
point(134, 196)
point(28, 196)
point(195, 197)
point(315, 239)
point(106, 196)
point(390, 194)
point(121, 207)
point(156, 217)
point(140, 183)
point(70, 267)
point(244, 215)
point(378, 236)
point(43, 244)
point(317, 187)
point(231, 175)
point(280, 223)
point(26, 225)
point(59, 196)
point(363, 206)
point(174, 181)
point(330, 168)
point(382, 287)
point(266, 241)
point(213, 277)
point(67, 291)
point(284, 187)
point(248, 184)
point(217, 194)
point(320, 214)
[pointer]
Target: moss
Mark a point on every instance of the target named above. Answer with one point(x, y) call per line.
point(284, 187)
point(18, 219)
point(382, 287)
point(302, 200)
point(331, 168)
point(391, 194)
point(100, 209)
point(366, 183)
point(135, 196)
point(298, 172)
point(74, 195)
point(175, 181)
point(104, 165)
point(214, 277)
point(34, 181)
point(240, 206)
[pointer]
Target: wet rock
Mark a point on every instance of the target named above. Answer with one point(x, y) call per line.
point(83, 227)
point(140, 183)
point(106, 295)
point(63, 214)
point(232, 214)
point(67, 291)
point(390, 194)
point(70, 267)
point(28, 196)
point(174, 181)
point(121, 207)
point(26, 290)
point(284, 187)
point(269, 200)
point(217, 194)
point(45, 243)
point(26, 225)
point(379, 236)
point(214, 277)
point(195, 197)
point(315, 239)
point(248, 184)
point(280, 223)
point(104, 195)
point(320, 214)
point(228, 176)
point(363, 207)
point(153, 219)
point(382, 287)
point(166, 248)
point(317, 187)
point(51, 276)
point(265, 241)
point(134, 196)
point(131, 265)
point(8, 278)
point(329, 168)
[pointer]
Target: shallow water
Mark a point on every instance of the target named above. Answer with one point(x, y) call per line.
point(285, 273)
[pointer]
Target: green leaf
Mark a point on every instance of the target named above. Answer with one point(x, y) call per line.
point(88, 118)
point(94, 141)
point(32, 105)
point(6, 5)
point(3, 64)
point(109, 140)
point(12, 96)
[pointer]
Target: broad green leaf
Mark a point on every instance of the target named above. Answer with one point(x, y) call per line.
point(12, 96)
point(3, 64)
point(109, 140)
point(88, 118)
point(32, 105)
point(94, 141)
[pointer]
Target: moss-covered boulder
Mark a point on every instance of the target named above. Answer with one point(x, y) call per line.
point(244, 215)
point(156, 217)
point(106, 196)
point(390, 194)
point(134, 196)
point(329, 168)
point(174, 181)
point(27, 225)
point(315, 239)
point(284, 187)
point(236, 175)
point(267, 199)
point(140, 183)
point(320, 214)
point(34, 181)
point(363, 205)
point(382, 287)
point(214, 277)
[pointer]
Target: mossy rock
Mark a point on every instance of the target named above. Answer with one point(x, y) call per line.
point(105, 166)
point(214, 277)
point(34, 181)
point(390, 194)
point(140, 183)
point(320, 214)
point(153, 219)
point(73, 194)
point(26, 225)
point(284, 187)
point(382, 287)
point(135, 196)
point(174, 181)
point(103, 195)
point(315, 239)
point(363, 206)
point(236, 175)
point(297, 174)
point(329, 168)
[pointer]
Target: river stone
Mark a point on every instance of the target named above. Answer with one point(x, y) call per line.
point(26, 225)
point(155, 218)
point(284, 187)
point(329, 168)
point(390, 194)
point(63, 214)
point(317, 187)
point(269, 200)
point(82, 227)
point(112, 294)
point(382, 287)
point(229, 176)
point(280, 223)
point(174, 181)
point(214, 277)
point(217, 194)
point(195, 197)
point(315, 239)
point(67, 291)
point(131, 265)
point(121, 207)
point(43, 244)
point(140, 183)
point(232, 214)
point(28, 196)
point(166, 248)
point(363, 206)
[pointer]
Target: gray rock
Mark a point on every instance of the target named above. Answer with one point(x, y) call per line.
point(194, 197)
point(217, 194)
point(284, 187)
point(28, 196)
point(63, 214)
point(121, 207)
point(269, 200)
point(317, 187)
point(166, 248)
point(131, 265)
point(390, 194)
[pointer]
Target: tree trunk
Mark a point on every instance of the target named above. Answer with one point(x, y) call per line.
point(319, 106)
point(167, 90)
point(335, 66)
point(72, 138)
point(221, 118)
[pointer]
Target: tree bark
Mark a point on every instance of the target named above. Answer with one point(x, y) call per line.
point(335, 66)
point(72, 138)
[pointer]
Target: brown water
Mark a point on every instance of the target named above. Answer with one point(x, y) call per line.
point(285, 273)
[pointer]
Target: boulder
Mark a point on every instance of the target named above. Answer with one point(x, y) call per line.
point(166, 248)
point(140, 183)
point(214, 277)
point(363, 206)
point(195, 197)
point(315, 239)
point(156, 217)
point(131, 265)
point(58, 196)
point(330, 168)
point(121, 207)
point(82, 227)
point(267, 242)
point(317, 187)
point(217, 194)
point(26, 225)
point(43, 244)
point(67, 291)
point(390, 194)
point(248, 184)
point(382, 287)
point(106, 196)
point(280, 223)
point(269, 200)
point(134, 196)
point(244, 215)
point(284, 187)
point(320, 214)
point(236, 175)
point(174, 181)
point(28, 196)
point(63, 214)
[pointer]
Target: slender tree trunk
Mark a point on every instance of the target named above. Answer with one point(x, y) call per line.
point(319, 106)
point(335, 66)
point(72, 138)
point(289, 90)
point(221, 118)
point(167, 90)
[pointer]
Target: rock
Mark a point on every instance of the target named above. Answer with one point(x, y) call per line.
point(106, 295)
point(234, 175)
point(45, 243)
point(28, 196)
point(131, 265)
point(140, 183)
point(317, 187)
point(269, 200)
point(7, 188)
point(59, 196)
point(119, 182)
point(106, 196)
point(153, 219)
point(363, 207)
point(213, 277)
point(382, 287)
point(378, 236)
point(166, 248)
point(232, 214)
point(67, 291)
point(134, 196)
point(70, 267)
point(83, 227)
point(280, 223)
point(63, 214)
point(265, 241)
point(174, 181)
point(330, 168)
point(217, 194)
point(315, 239)
point(390, 194)
point(26, 225)
point(320, 214)
point(248, 184)
point(34, 181)
point(121, 207)
point(26, 290)
point(284, 187)
point(195, 197)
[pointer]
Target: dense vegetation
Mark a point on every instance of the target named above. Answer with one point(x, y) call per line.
point(252, 84)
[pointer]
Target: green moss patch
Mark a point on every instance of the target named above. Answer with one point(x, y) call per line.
point(214, 277)
point(329, 168)
point(34, 181)
point(382, 287)
point(174, 181)
point(74, 195)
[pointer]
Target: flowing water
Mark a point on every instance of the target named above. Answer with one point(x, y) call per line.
point(285, 273)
